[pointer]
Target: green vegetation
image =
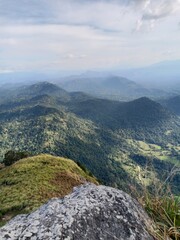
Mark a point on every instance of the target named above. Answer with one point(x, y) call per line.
point(172, 103)
point(160, 203)
point(165, 212)
point(164, 209)
point(12, 157)
point(32, 181)
point(109, 138)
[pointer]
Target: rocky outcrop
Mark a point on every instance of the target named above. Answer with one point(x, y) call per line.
point(89, 213)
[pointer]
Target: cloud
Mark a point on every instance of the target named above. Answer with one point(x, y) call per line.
point(4, 71)
point(75, 56)
point(104, 15)
point(44, 46)
point(153, 11)
point(161, 9)
point(86, 33)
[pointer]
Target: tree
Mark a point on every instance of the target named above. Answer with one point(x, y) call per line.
point(12, 157)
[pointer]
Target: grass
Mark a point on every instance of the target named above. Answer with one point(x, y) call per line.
point(30, 182)
point(164, 209)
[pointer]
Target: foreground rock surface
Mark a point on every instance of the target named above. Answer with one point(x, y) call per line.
point(89, 213)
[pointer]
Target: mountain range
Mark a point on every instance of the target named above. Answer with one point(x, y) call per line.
point(116, 141)
point(162, 75)
point(109, 86)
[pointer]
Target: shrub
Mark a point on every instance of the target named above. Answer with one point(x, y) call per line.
point(12, 156)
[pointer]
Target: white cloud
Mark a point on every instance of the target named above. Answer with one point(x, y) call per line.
point(2, 71)
point(84, 34)
point(157, 10)
point(161, 9)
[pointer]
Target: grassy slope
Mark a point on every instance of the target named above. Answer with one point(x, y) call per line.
point(28, 183)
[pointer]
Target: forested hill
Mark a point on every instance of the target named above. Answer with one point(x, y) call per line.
point(172, 103)
point(142, 112)
point(112, 139)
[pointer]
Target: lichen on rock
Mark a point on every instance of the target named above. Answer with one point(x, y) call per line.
point(90, 212)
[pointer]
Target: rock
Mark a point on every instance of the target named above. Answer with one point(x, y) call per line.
point(90, 212)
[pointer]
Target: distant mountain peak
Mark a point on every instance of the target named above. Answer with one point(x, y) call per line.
point(150, 109)
point(144, 99)
point(96, 74)
point(45, 86)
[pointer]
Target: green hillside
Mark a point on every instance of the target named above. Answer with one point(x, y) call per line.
point(141, 112)
point(30, 182)
point(64, 134)
point(172, 104)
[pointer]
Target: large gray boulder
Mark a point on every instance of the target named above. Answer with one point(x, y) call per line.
point(89, 213)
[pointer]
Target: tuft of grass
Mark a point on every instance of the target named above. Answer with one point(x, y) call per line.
point(165, 211)
point(163, 207)
point(30, 182)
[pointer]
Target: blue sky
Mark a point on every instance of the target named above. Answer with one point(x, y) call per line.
point(81, 34)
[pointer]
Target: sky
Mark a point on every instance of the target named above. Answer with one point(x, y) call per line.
point(87, 34)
